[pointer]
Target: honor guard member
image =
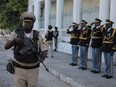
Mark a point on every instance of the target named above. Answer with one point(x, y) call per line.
point(114, 47)
point(56, 34)
point(49, 38)
point(109, 39)
point(96, 42)
point(74, 42)
point(26, 43)
point(84, 40)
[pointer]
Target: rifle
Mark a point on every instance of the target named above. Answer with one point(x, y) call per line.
point(42, 63)
point(30, 45)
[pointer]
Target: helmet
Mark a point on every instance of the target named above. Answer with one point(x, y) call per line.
point(56, 27)
point(49, 26)
point(27, 14)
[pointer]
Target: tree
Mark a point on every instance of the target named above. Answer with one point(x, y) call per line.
point(10, 12)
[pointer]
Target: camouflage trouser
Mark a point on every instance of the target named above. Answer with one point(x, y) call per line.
point(26, 77)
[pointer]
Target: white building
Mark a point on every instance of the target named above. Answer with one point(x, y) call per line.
point(62, 13)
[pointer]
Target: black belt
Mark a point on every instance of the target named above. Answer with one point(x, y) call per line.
point(25, 67)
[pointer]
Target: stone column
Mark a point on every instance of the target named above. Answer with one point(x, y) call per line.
point(37, 14)
point(104, 12)
point(59, 13)
point(113, 12)
point(30, 6)
point(77, 10)
point(47, 14)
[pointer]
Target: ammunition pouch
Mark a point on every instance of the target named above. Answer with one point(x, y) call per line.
point(10, 67)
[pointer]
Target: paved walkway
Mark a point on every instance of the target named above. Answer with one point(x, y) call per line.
point(59, 66)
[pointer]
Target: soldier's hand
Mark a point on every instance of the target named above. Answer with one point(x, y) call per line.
point(35, 34)
point(43, 55)
point(91, 23)
point(19, 41)
point(101, 26)
point(112, 53)
point(89, 27)
point(69, 27)
point(87, 45)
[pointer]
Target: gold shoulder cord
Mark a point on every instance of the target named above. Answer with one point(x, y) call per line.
point(111, 37)
point(102, 28)
point(83, 33)
point(114, 48)
point(113, 33)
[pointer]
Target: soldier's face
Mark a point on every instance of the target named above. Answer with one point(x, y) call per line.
point(108, 25)
point(73, 26)
point(97, 24)
point(27, 25)
point(82, 25)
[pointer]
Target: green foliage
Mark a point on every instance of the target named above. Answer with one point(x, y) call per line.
point(10, 11)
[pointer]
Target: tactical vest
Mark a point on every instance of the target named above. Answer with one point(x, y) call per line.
point(26, 53)
point(50, 35)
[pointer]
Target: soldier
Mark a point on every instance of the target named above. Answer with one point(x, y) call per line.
point(26, 51)
point(56, 34)
point(109, 40)
point(96, 42)
point(84, 40)
point(49, 38)
point(74, 42)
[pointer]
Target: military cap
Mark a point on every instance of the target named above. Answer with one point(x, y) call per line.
point(28, 15)
point(109, 22)
point(73, 23)
point(83, 21)
point(98, 20)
